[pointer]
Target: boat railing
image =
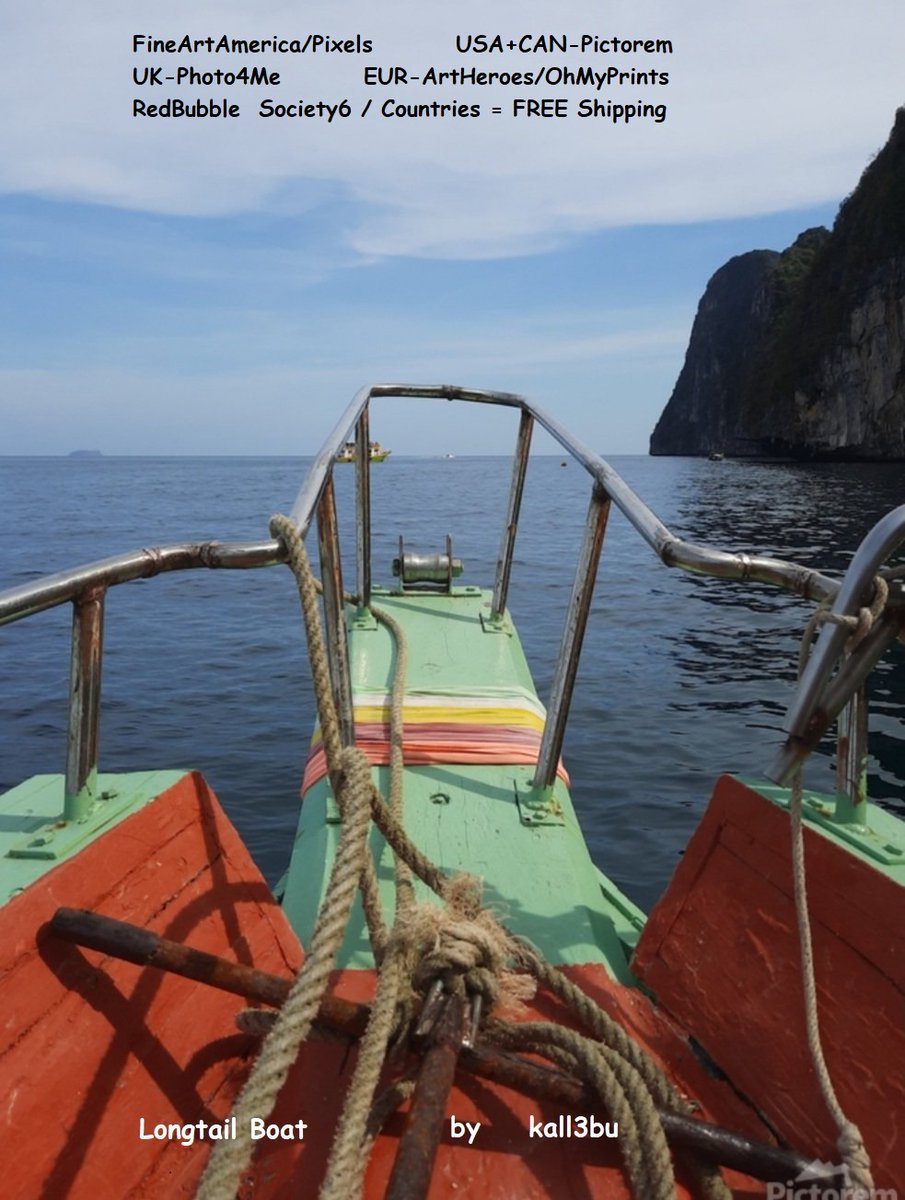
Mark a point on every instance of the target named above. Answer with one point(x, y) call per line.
point(819, 699)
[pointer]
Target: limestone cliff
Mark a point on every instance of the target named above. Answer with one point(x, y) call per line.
point(802, 353)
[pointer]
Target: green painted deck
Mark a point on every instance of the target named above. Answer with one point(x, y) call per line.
point(538, 877)
point(27, 809)
point(879, 840)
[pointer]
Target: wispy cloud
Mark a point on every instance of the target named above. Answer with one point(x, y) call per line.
point(769, 107)
point(197, 286)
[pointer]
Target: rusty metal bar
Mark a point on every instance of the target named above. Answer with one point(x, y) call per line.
point(343, 1018)
point(414, 1164)
point(334, 613)
point(84, 703)
point(723, 1146)
point(363, 508)
point(507, 545)
point(132, 943)
point(573, 635)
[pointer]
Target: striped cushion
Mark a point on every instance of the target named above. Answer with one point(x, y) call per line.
point(490, 727)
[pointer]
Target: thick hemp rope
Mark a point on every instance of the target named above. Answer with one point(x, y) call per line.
point(850, 1142)
point(351, 774)
point(647, 1156)
point(463, 945)
point(280, 1050)
point(642, 1082)
point(348, 1157)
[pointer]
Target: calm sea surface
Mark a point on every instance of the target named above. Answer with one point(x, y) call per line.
point(681, 678)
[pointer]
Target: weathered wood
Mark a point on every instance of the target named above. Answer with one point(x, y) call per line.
point(723, 1146)
point(103, 1044)
point(341, 1017)
point(147, 949)
point(720, 952)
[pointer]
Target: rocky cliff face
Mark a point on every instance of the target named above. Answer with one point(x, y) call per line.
point(802, 353)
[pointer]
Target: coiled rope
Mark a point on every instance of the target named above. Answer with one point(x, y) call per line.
point(461, 944)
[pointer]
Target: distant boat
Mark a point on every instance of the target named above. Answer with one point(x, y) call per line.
point(715, 456)
point(376, 453)
point(449, 456)
point(129, 1036)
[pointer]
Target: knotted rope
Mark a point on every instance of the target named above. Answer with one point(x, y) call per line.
point(859, 626)
point(461, 944)
point(849, 1142)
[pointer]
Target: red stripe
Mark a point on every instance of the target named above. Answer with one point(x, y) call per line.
point(494, 745)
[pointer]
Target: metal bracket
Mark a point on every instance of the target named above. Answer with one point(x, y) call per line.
point(363, 619)
point(537, 806)
point(821, 811)
point(55, 840)
point(501, 624)
point(332, 814)
point(878, 847)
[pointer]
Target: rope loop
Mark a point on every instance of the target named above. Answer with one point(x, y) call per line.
point(853, 1153)
point(464, 947)
point(859, 626)
point(458, 942)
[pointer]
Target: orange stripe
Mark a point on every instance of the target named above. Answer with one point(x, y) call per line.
point(486, 746)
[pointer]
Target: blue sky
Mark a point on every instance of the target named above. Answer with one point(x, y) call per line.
point(224, 288)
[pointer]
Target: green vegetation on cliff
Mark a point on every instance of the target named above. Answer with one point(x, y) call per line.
point(803, 353)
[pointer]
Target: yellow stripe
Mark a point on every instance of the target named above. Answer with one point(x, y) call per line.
point(443, 715)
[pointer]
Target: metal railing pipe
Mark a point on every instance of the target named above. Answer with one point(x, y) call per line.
point(673, 551)
point(65, 586)
point(819, 697)
point(363, 508)
point(321, 469)
point(573, 635)
point(507, 545)
point(144, 563)
point(836, 695)
point(84, 703)
point(334, 613)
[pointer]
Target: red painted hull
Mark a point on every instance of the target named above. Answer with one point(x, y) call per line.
point(720, 951)
point(94, 1045)
point(91, 1044)
point(506, 1162)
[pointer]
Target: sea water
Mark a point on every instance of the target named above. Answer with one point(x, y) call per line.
point(681, 677)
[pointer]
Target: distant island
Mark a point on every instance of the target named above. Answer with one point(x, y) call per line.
point(85, 454)
point(801, 354)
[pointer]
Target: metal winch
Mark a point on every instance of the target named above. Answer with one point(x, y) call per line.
point(430, 571)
